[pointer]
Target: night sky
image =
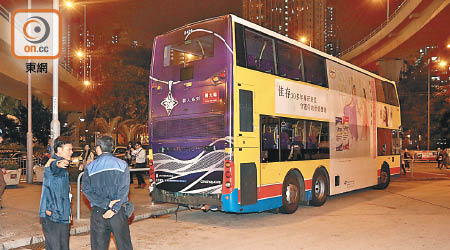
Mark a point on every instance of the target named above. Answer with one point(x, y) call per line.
point(144, 19)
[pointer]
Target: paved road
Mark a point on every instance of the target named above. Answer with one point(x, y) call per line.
point(407, 215)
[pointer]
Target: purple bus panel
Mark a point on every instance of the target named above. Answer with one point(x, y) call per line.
point(190, 125)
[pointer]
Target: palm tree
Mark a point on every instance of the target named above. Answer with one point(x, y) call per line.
point(128, 129)
point(107, 127)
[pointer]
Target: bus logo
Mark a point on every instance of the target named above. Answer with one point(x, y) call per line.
point(169, 102)
point(36, 34)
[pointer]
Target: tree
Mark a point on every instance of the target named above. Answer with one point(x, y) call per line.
point(107, 127)
point(128, 129)
point(413, 91)
point(10, 127)
point(123, 85)
point(121, 91)
point(41, 118)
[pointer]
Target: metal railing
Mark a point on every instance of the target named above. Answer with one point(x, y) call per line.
point(22, 163)
point(375, 31)
point(79, 189)
point(411, 165)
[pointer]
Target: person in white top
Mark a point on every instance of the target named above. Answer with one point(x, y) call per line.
point(87, 156)
point(139, 152)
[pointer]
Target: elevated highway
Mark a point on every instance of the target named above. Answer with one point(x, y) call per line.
point(414, 25)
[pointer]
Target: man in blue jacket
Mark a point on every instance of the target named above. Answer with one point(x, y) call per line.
point(55, 197)
point(106, 183)
point(2, 180)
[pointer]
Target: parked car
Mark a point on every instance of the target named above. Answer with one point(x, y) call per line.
point(119, 152)
point(6, 154)
point(21, 155)
point(76, 158)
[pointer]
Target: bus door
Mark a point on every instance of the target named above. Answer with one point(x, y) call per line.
point(246, 145)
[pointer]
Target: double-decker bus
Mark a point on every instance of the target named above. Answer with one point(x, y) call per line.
point(243, 119)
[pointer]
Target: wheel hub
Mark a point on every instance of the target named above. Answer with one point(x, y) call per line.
point(291, 193)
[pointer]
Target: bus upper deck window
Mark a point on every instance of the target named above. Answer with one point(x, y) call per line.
point(198, 48)
point(314, 68)
point(260, 52)
point(289, 61)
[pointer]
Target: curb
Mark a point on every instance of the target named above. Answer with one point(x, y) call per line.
point(404, 179)
point(27, 241)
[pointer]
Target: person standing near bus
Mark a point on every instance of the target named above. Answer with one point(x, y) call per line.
point(406, 159)
point(445, 158)
point(87, 156)
point(139, 152)
point(439, 158)
point(129, 159)
point(54, 209)
point(106, 185)
point(2, 172)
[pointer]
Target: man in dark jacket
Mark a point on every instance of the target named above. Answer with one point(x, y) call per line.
point(106, 183)
point(55, 198)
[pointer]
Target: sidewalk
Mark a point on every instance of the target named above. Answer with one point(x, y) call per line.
point(20, 225)
point(424, 172)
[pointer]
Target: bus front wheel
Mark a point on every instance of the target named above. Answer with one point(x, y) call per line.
point(291, 194)
point(319, 188)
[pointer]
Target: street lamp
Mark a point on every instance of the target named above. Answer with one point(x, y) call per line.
point(80, 54)
point(441, 64)
point(304, 40)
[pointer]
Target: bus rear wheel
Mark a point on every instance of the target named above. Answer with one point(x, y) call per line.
point(291, 194)
point(385, 177)
point(319, 188)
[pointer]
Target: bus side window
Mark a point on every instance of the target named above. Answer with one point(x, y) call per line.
point(260, 52)
point(240, 46)
point(287, 139)
point(380, 91)
point(385, 141)
point(314, 68)
point(289, 61)
point(269, 139)
point(246, 110)
point(389, 94)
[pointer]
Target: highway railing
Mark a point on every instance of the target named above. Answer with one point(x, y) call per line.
point(375, 31)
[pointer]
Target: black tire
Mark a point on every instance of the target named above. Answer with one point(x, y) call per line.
point(385, 177)
point(291, 194)
point(319, 188)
